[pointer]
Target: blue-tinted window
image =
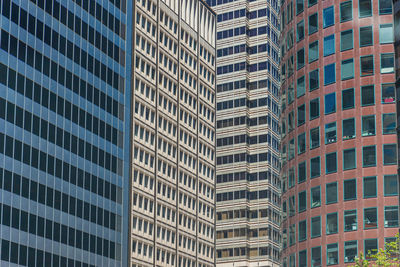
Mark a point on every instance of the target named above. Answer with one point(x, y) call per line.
point(329, 17)
point(329, 74)
point(330, 103)
point(329, 45)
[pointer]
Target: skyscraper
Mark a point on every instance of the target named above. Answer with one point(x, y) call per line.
point(248, 183)
point(64, 132)
point(173, 134)
point(339, 145)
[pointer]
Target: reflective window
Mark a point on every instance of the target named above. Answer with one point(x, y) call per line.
point(313, 51)
point(369, 187)
point(349, 189)
point(313, 23)
point(367, 95)
point(316, 257)
point(329, 45)
point(387, 63)
point(299, 6)
point(302, 201)
point(346, 40)
point(389, 123)
point(369, 156)
point(347, 69)
point(350, 251)
point(346, 11)
point(315, 197)
point(314, 79)
point(314, 138)
point(301, 85)
point(302, 171)
point(314, 108)
point(330, 133)
point(390, 185)
point(385, 7)
point(303, 258)
point(365, 8)
point(391, 216)
point(331, 223)
point(329, 74)
point(315, 226)
point(389, 154)
point(388, 95)
point(386, 33)
point(368, 125)
point(329, 17)
point(367, 65)
point(370, 246)
point(332, 254)
point(330, 103)
point(301, 143)
point(315, 167)
point(348, 98)
point(366, 36)
point(301, 114)
point(302, 231)
point(331, 193)
point(370, 218)
point(350, 220)
point(349, 159)
point(300, 31)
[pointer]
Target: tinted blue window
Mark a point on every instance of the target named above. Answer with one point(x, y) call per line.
point(329, 74)
point(329, 45)
point(330, 103)
point(329, 17)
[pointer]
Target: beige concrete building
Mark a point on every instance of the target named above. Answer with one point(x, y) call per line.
point(173, 126)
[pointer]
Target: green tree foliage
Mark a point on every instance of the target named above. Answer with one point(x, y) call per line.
point(386, 257)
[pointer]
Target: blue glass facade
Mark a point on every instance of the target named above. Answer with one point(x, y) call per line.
point(64, 124)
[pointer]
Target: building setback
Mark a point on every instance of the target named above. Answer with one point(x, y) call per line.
point(64, 133)
point(248, 184)
point(173, 134)
point(338, 123)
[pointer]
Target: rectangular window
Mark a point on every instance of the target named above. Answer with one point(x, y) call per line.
point(346, 11)
point(389, 123)
point(366, 36)
point(301, 86)
point(330, 103)
point(386, 33)
point(387, 63)
point(315, 226)
point(365, 8)
point(329, 74)
point(390, 185)
point(349, 159)
point(385, 7)
point(314, 138)
point(367, 65)
point(369, 156)
point(330, 133)
point(314, 79)
point(331, 193)
point(350, 251)
point(369, 187)
point(368, 125)
point(315, 167)
point(292, 235)
point(349, 189)
point(314, 108)
point(329, 45)
point(302, 230)
point(332, 254)
point(302, 201)
point(388, 95)
point(331, 162)
point(370, 245)
point(300, 31)
point(291, 149)
point(370, 218)
point(315, 197)
point(303, 258)
point(301, 115)
point(316, 257)
point(299, 6)
point(348, 98)
point(350, 220)
point(291, 177)
point(347, 70)
point(301, 143)
point(391, 216)
point(292, 204)
point(346, 40)
point(367, 95)
point(302, 172)
point(291, 93)
point(349, 130)
point(312, 23)
point(313, 51)
point(389, 154)
point(329, 17)
point(312, 2)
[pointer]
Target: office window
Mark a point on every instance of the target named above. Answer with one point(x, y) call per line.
point(329, 74)
point(349, 189)
point(385, 7)
point(314, 138)
point(312, 23)
point(301, 86)
point(347, 69)
point(391, 216)
point(386, 33)
point(388, 95)
point(314, 79)
point(367, 65)
point(292, 260)
point(315, 167)
point(370, 245)
point(303, 258)
point(369, 187)
point(349, 159)
point(301, 143)
point(367, 95)
point(389, 123)
point(329, 17)
point(302, 201)
point(329, 45)
point(369, 156)
point(315, 197)
point(350, 220)
point(365, 8)
point(302, 230)
point(300, 31)
point(315, 226)
point(348, 98)
point(291, 149)
point(312, 2)
point(292, 235)
point(390, 185)
point(330, 103)
point(331, 193)
point(346, 40)
point(332, 254)
point(301, 114)
point(302, 172)
point(370, 218)
point(366, 36)
point(291, 177)
point(330, 133)
point(387, 63)
point(346, 11)
point(331, 162)
point(368, 125)
point(291, 121)
point(389, 154)
point(292, 204)
point(291, 93)
point(300, 58)
point(314, 108)
point(299, 6)
point(349, 129)
point(316, 257)
point(313, 51)
point(350, 251)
